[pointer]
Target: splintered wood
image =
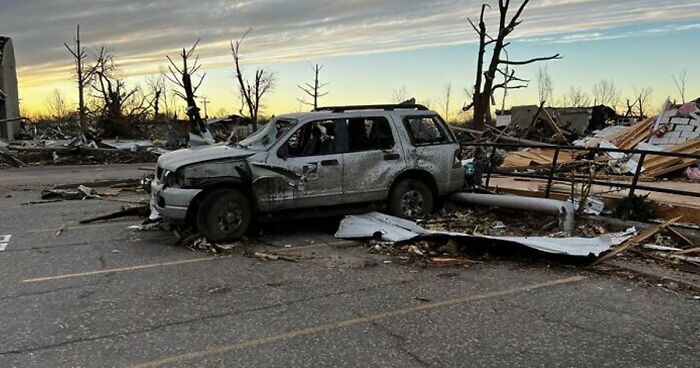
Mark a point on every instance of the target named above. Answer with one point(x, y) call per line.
point(656, 166)
point(645, 235)
point(539, 156)
point(632, 136)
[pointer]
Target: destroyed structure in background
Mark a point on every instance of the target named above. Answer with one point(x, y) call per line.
point(9, 96)
point(556, 124)
point(676, 131)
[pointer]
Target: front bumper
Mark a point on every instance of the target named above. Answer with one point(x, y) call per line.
point(171, 203)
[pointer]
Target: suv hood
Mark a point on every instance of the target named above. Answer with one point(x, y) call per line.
point(177, 159)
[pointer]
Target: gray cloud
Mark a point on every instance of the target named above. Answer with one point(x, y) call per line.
point(141, 32)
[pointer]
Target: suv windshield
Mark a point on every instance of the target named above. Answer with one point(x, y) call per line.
point(264, 138)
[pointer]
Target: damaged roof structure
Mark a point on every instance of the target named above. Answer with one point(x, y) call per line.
point(558, 123)
point(9, 96)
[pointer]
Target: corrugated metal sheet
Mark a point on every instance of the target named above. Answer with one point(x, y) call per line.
point(394, 229)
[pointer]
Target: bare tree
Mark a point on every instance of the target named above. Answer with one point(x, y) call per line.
point(181, 75)
point(545, 90)
point(252, 93)
point(314, 89)
point(485, 84)
point(605, 93)
point(640, 105)
point(445, 99)
point(120, 105)
point(82, 75)
point(156, 90)
point(399, 95)
point(576, 98)
point(681, 80)
point(56, 105)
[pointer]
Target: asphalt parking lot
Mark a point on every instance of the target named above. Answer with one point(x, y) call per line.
point(102, 295)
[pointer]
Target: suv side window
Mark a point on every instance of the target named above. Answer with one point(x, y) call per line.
point(318, 138)
point(367, 134)
point(426, 130)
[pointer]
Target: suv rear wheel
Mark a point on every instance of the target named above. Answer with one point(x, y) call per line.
point(224, 215)
point(410, 198)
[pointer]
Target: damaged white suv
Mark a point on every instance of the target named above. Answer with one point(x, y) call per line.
point(339, 158)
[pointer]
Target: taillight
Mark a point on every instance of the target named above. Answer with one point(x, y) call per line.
point(457, 161)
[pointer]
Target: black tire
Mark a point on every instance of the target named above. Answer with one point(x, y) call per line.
point(224, 215)
point(411, 198)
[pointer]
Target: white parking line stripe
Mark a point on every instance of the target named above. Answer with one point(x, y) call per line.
point(123, 269)
point(4, 241)
point(222, 349)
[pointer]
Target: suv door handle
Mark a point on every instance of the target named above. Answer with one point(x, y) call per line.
point(329, 163)
point(309, 172)
point(391, 157)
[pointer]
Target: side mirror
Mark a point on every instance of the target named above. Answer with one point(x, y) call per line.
point(283, 152)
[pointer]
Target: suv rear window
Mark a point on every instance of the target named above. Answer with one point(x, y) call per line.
point(426, 130)
point(366, 134)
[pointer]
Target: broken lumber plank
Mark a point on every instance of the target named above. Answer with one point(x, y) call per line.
point(275, 257)
point(439, 261)
point(515, 160)
point(680, 236)
point(636, 240)
point(142, 211)
point(17, 162)
point(631, 137)
point(667, 170)
point(690, 251)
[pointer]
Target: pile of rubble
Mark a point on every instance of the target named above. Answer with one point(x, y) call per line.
point(676, 129)
point(467, 236)
point(64, 143)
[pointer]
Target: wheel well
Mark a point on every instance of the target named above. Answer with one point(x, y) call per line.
point(421, 175)
point(191, 216)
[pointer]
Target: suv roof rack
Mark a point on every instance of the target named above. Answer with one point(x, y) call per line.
point(389, 107)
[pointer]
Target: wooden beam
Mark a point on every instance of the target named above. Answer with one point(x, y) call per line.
point(636, 240)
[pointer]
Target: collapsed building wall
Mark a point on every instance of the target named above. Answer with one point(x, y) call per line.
point(9, 95)
point(677, 124)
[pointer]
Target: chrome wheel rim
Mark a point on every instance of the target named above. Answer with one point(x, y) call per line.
point(230, 218)
point(412, 203)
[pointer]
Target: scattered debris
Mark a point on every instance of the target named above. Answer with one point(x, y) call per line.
point(151, 226)
point(141, 211)
point(499, 225)
point(218, 290)
point(635, 241)
point(450, 261)
point(80, 193)
point(60, 230)
point(275, 257)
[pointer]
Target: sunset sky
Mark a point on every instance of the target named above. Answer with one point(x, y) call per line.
point(368, 48)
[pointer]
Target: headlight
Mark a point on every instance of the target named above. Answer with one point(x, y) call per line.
point(172, 178)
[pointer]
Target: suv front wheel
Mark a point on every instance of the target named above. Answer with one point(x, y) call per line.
point(410, 198)
point(224, 215)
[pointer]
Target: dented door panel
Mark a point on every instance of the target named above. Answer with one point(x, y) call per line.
point(370, 174)
point(299, 182)
point(437, 160)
